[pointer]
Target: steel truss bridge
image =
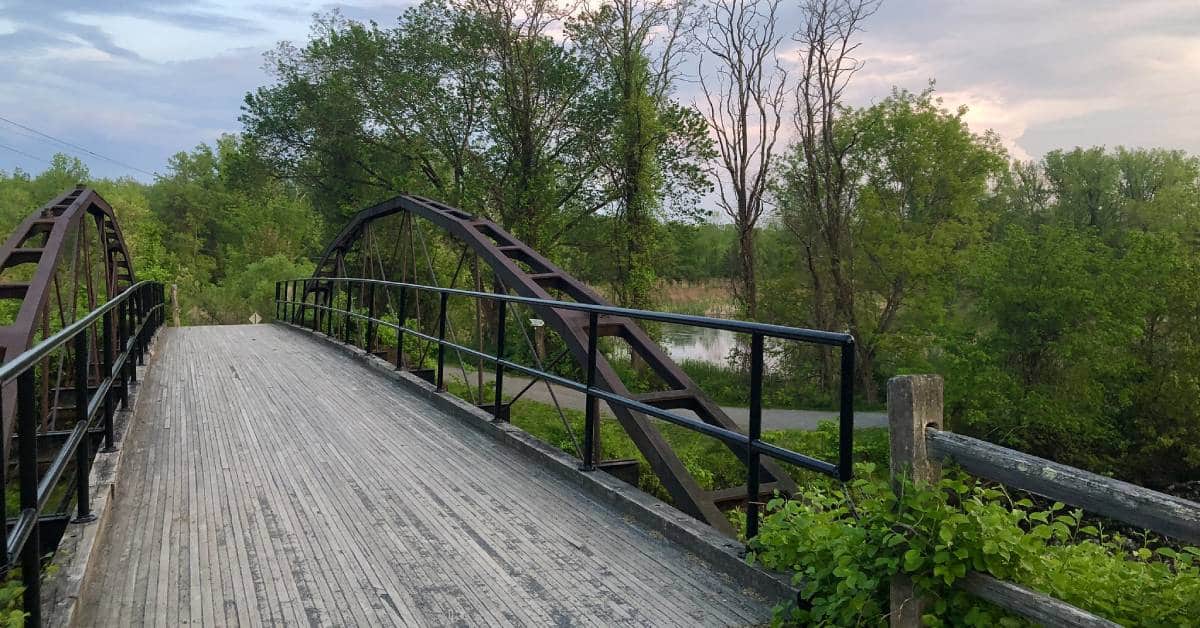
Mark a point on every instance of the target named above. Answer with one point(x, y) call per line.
point(319, 470)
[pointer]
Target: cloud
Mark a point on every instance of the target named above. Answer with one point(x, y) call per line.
point(1109, 71)
point(163, 75)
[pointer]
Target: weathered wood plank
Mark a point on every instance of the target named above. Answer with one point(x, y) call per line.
point(1172, 516)
point(280, 482)
point(914, 403)
point(1032, 605)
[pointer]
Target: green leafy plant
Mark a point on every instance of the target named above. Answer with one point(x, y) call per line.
point(844, 544)
point(12, 614)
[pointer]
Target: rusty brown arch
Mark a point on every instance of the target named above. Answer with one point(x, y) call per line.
point(502, 252)
point(41, 240)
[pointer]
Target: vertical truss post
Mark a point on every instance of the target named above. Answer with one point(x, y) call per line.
point(278, 304)
point(591, 428)
point(106, 369)
point(499, 413)
point(441, 354)
point(400, 330)
point(27, 472)
point(752, 455)
point(83, 453)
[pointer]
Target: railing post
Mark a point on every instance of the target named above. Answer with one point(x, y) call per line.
point(370, 339)
point(122, 349)
point(329, 309)
point(591, 425)
point(83, 453)
point(278, 305)
point(27, 473)
point(752, 456)
point(441, 355)
point(106, 368)
point(400, 330)
point(498, 413)
point(134, 346)
point(308, 284)
point(914, 402)
point(347, 318)
point(846, 414)
point(140, 299)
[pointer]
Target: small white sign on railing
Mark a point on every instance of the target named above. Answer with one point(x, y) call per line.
point(536, 322)
point(255, 318)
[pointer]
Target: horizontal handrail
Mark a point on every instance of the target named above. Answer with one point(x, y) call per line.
point(715, 431)
point(1035, 606)
point(815, 336)
point(919, 446)
point(1166, 514)
point(749, 446)
point(26, 359)
point(125, 323)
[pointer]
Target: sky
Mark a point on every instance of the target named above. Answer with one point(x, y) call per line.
point(138, 80)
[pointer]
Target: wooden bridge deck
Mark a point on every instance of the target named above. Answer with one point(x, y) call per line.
point(271, 479)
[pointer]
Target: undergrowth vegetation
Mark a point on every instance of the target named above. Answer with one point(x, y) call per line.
point(844, 543)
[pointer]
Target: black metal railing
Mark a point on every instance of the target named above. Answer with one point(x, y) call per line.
point(125, 323)
point(750, 444)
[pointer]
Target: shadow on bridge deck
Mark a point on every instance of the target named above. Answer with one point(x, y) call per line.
point(271, 478)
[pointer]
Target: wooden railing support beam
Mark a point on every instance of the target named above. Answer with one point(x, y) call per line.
point(914, 402)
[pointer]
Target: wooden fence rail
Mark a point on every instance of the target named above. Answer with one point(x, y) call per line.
point(919, 446)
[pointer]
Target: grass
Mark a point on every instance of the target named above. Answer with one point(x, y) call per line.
point(704, 298)
point(712, 464)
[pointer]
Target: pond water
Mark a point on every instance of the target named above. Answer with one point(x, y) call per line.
point(713, 346)
point(698, 343)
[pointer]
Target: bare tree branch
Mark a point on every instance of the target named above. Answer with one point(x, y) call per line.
point(743, 104)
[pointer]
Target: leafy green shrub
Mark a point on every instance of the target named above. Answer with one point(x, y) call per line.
point(845, 543)
point(12, 614)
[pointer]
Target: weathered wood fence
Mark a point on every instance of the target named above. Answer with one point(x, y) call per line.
point(919, 446)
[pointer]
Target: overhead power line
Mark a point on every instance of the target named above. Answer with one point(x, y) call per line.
point(21, 152)
point(76, 147)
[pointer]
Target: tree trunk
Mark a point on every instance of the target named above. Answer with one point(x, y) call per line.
point(748, 290)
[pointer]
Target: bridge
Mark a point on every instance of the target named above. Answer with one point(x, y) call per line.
point(327, 470)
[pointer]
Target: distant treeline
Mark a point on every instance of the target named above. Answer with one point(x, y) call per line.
point(1058, 296)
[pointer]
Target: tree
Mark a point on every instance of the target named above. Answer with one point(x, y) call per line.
point(636, 45)
point(891, 256)
point(743, 104)
point(471, 101)
point(1076, 338)
point(824, 189)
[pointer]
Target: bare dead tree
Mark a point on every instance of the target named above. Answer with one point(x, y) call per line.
point(821, 216)
point(744, 99)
